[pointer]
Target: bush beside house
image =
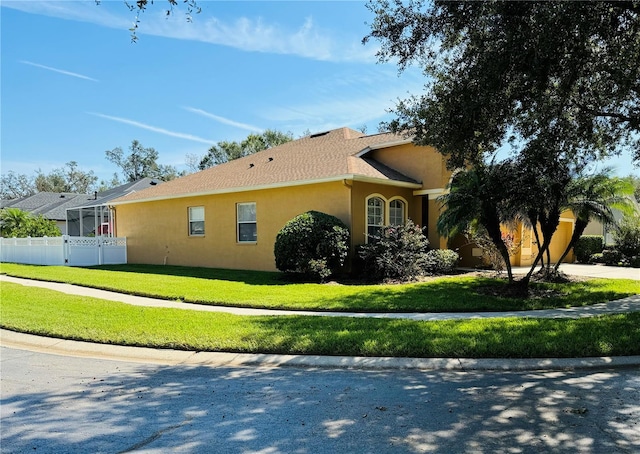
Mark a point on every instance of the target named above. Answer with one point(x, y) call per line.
point(401, 252)
point(312, 244)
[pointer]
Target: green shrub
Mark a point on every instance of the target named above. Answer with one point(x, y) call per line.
point(441, 261)
point(15, 223)
point(627, 236)
point(635, 261)
point(398, 252)
point(612, 256)
point(586, 246)
point(313, 244)
point(596, 258)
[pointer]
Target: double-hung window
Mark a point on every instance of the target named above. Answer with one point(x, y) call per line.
point(196, 221)
point(381, 212)
point(247, 226)
point(375, 215)
point(396, 212)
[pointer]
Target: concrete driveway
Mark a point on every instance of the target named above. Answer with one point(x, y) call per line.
point(610, 272)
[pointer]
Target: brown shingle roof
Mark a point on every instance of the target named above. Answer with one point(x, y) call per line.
point(319, 157)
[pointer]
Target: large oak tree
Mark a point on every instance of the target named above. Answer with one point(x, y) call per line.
point(558, 81)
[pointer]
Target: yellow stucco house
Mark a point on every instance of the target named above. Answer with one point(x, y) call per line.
point(228, 216)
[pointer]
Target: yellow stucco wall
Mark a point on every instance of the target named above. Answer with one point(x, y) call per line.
point(529, 249)
point(360, 193)
point(428, 167)
point(423, 164)
point(157, 232)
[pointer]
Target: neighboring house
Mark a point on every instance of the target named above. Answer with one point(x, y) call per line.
point(228, 216)
point(78, 214)
point(51, 205)
point(596, 227)
point(90, 214)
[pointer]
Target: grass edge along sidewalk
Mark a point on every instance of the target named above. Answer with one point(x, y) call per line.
point(269, 291)
point(50, 313)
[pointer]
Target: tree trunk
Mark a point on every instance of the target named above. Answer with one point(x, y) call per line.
point(578, 230)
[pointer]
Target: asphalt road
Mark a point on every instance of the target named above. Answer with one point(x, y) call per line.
point(62, 404)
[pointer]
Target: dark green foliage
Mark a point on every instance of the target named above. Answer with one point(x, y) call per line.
point(557, 81)
point(596, 258)
point(612, 257)
point(588, 245)
point(228, 151)
point(627, 236)
point(441, 261)
point(557, 76)
point(16, 223)
point(398, 252)
point(313, 244)
point(476, 201)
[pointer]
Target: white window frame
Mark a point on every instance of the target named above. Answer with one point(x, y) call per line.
point(386, 212)
point(404, 211)
point(369, 225)
point(193, 219)
point(240, 222)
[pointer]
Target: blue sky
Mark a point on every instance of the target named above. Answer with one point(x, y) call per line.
point(73, 85)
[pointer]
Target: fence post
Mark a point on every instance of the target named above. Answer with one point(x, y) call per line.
point(65, 249)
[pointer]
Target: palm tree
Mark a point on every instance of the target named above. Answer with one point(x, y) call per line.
point(11, 219)
point(476, 196)
point(594, 197)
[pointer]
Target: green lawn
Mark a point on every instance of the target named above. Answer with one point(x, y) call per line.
point(270, 290)
point(50, 313)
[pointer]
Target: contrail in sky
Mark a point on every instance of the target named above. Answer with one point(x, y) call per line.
point(60, 71)
point(166, 132)
point(223, 120)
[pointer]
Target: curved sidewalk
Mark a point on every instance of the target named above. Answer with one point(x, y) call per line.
point(629, 304)
point(212, 359)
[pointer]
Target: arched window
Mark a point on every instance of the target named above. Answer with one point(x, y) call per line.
point(396, 212)
point(375, 215)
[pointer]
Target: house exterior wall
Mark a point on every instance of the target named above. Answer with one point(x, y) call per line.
point(528, 250)
point(168, 241)
point(427, 166)
point(423, 164)
point(360, 192)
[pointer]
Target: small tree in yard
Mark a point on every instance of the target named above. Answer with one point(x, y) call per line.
point(312, 244)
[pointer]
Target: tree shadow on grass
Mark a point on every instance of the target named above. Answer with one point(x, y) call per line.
point(84, 405)
point(245, 276)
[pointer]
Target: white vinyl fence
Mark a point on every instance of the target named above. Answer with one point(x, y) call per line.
point(64, 250)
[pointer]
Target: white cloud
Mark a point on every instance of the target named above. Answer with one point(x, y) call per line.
point(83, 11)
point(60, 71)
point(348, 100)
point(306, 40)
point(166, 132)
point(223, 120)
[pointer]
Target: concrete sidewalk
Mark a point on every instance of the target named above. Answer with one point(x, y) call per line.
point(629, 304)
point(12, 339)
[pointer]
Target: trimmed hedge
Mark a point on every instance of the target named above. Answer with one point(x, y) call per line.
point(312, 244)
point(586, 246)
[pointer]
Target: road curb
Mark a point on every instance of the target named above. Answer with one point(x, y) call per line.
point(65, 347)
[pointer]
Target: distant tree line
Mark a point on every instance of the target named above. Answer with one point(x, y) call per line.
point(136, 163)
